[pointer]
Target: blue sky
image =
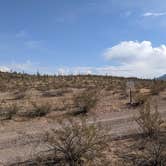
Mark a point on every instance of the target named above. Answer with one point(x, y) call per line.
point(88, 36)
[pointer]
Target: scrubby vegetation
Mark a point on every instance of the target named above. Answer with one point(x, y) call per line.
point(78, 143)
point(149, 119)
point(149, 148)
point(37, 110)
point(85, 101)
point(73, 142)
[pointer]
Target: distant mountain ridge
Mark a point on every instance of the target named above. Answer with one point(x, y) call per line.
point(162, 77)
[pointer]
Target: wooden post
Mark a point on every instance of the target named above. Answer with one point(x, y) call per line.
point(130, 89)
point(130, 96)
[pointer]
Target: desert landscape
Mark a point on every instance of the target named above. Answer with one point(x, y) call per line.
point(82, 83)
point(127, 115)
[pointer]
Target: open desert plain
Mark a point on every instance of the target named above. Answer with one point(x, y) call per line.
point(81, 120)
point(82, 82)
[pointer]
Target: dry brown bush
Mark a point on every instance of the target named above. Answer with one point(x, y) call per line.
point(76, 143)
point(157, 87)
point(38, 110)
point(146, 152)
point(8, 112)
point(85, 101)
point(149, 119)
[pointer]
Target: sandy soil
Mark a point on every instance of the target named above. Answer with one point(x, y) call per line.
point(22, 140)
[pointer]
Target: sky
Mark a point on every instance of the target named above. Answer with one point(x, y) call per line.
point(114, 37)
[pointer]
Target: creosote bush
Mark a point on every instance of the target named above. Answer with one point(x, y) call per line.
point(157, 87)
point(149, 119)
point(141, 99)
point(8, 112)
point(77, 144)
point(150, 148)
point(85, 101)
point(154, 154)
point(146, 152)
point(37, 110)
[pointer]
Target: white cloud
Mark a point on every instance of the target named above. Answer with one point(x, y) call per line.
point(139, 59)
point(128, 59)
point(27, 66)
point(75, 70)
point(153, 14)
point(4, 69)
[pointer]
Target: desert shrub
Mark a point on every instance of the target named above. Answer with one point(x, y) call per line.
point(19, 95)
point(148, 152)
point(77, 144)
point(8, 112)
point(157, 87)
point(52, 94)
point(154, 154)
point(149, 119)
point(78, 111)
point(56, 93)
point(37, 110)
point(141, 98)
point(155, 90)
point(85, 101)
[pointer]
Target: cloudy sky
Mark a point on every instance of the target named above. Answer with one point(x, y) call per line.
point(123, 38)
